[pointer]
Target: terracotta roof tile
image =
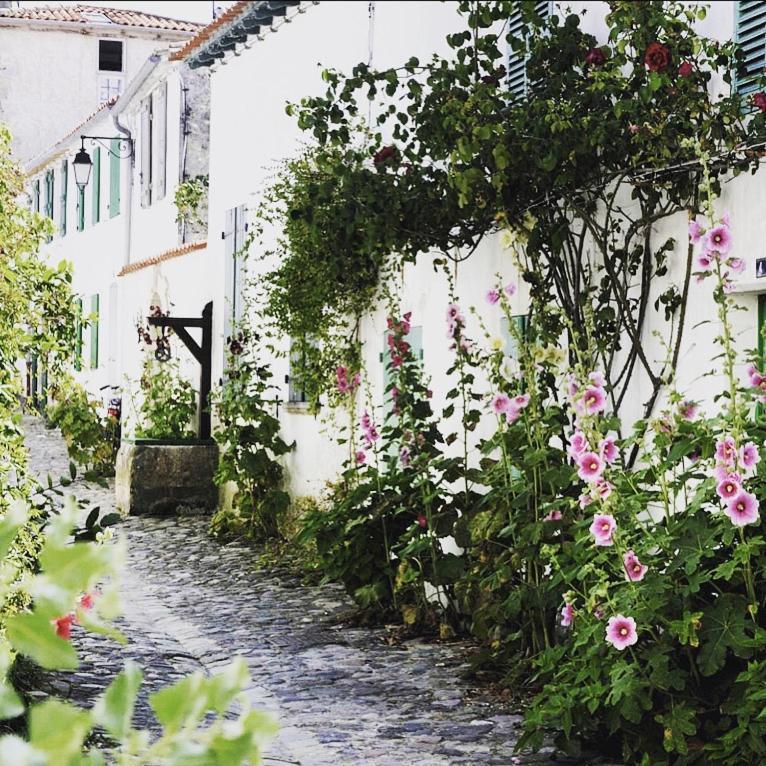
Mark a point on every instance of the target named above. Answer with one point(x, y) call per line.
point(206, 32)
point(79, 14)
point(167, 255)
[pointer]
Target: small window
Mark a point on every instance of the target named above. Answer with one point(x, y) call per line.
point(110, 55)
point(514, 338)
point(295, 392)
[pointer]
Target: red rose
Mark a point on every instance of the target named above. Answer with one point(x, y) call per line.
point(64, 626)
point(686, 69)
point(595, 57)
point(759, 100)
point(386, 153)
point(657, 57)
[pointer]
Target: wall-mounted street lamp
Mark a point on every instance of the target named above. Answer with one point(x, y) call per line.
point(82, 163)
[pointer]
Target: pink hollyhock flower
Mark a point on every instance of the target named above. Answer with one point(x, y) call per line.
point(371, 435)
point(634, 569)
point(357, 379)
point(501, 403)
point(749, 456)
point(578, 443)
point(608, 448)
point(726, 451)
point(603, 528)
point(404, 457)
point(603, 488)
point(597, 378)
point(722, 472)
point(365, 421)
point(621, 632)
point(728, 285)
point(572, 387)
point(742, 509)
point(520, 401)
point(590, 466)
point(512, 415)
point(422, 521)
point(726, 219)
point(599, 613)
point(361, 457)
point(705, 262)
point(510, 289)
point(405, 325)
point(737, 265)
point(64, 626)
point(585, 499)
point(718, 240)
point(633, 128)
point(567, 615)
point(594, 399)
point(492, 296)
point(554, 515)
point(689, 409)
point(729, 487)
point(466, 346)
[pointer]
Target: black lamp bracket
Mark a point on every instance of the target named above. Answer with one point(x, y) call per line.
point(125, 144)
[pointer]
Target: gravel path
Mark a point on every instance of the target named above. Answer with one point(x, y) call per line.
point(343, 696)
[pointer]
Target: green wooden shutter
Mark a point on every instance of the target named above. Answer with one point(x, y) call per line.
point(49, 182)
point(511, 339)
point(750, 34)
point(96, 187)
point(518, 83)
point(36, 195)
point(94, 321)
point(114, 178)
point(80, 208)
point(78, 336)
point(415, 339)
point(64, 190)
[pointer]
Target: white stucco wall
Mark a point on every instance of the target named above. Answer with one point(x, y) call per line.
point(250, 133)
point(49, 79)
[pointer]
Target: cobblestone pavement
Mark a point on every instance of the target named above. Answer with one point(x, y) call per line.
point(342, 695)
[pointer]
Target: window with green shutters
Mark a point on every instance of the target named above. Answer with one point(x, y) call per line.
point(95, 186)
point(94, 321)
point(750, 33)
point(512, 338)
point(78, 336)
point(518, 82)
point(36, 196)
point(49, 191)
point(64, 189)
point(114, 178)
point(415, 339)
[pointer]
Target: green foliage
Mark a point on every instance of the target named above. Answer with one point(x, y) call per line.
point(169, 404)
point(610, 140)
point(188, 196)
point(250, 446)
point(203, 719)
point(89, 436)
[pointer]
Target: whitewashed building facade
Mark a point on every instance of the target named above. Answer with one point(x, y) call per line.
point(260, 56)
point(60, 63)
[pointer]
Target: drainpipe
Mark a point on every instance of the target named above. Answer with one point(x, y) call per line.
point(115, 110)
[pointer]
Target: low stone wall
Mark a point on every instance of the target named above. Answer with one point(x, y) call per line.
point(163, 478)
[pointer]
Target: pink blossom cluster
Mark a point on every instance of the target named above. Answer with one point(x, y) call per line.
point(370, 435)
point(716, 243)
point(492, 295)
point(455, 327)
point(757, 381)
point(733, 465)
point(397, 346)
point(591, 398)
point(342, 381)
point(591, 464)
point(510, 407)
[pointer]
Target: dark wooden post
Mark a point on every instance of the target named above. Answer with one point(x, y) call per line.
point(202, 352)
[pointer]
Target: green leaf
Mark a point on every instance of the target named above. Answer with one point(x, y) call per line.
point(15, 517)
point(114, 709)
point(723, 628)
point(33, 635)
point(59, 729)
point(179, 704)
point(11, 705)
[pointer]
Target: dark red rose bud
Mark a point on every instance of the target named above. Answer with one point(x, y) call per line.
point(384, 154)
point(686, 69)
point(595, 57)
point(759, 100)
